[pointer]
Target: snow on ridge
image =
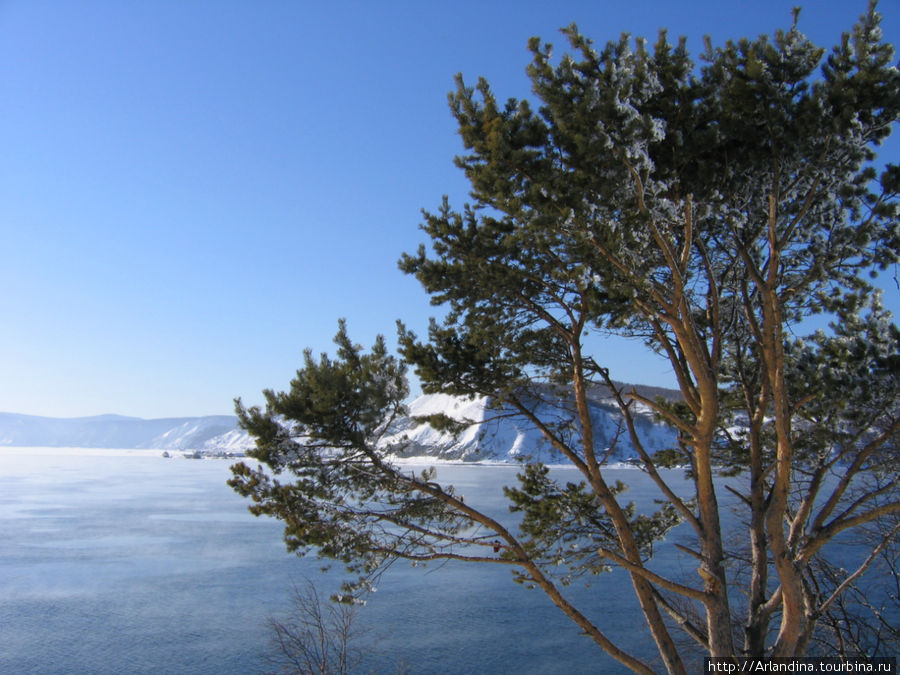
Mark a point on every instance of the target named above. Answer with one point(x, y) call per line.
point(496, 435)
point(493, 435)
point(200, 433)
point(214, 432)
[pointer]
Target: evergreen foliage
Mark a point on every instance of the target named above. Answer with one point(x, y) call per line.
point(706, 211)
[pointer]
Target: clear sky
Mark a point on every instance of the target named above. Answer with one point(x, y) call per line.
point(193, 192)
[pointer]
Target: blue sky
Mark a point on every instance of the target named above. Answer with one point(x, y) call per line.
point(191, 193)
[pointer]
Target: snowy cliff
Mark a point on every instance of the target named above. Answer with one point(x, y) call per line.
point(493, 433)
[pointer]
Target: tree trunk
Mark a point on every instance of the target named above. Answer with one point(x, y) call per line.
point(642, 587)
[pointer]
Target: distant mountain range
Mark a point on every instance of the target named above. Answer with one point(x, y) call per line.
point(210, 433)
point(490, 433)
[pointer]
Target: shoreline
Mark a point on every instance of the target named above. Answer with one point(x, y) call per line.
point(169, 453)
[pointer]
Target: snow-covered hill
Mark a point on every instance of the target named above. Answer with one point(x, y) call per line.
point(494, 434)
point(491, 434)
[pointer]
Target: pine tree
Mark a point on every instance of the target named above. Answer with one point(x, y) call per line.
point(705, 211)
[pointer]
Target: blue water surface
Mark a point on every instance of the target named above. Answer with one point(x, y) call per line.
point(128, 562)
point(124, 561)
